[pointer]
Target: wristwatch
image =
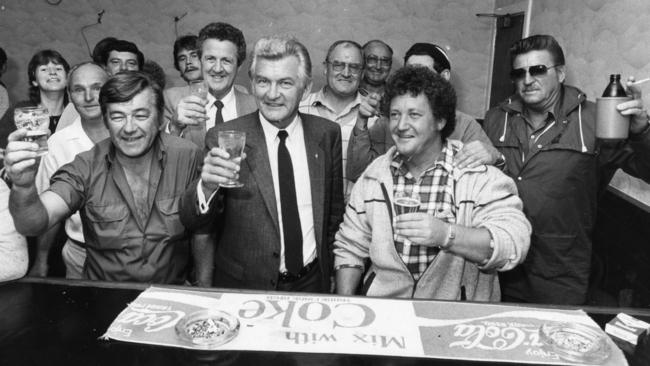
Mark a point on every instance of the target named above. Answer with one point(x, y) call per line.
point(451, 236)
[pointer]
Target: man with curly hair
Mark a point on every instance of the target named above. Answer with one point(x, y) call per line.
point(468, 223)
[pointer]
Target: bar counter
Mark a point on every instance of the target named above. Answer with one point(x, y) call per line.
point(59, 322)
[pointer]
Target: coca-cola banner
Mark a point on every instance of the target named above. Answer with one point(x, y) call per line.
point(358, 325)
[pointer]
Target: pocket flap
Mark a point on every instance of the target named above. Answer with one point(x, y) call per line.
point(106, 213)
point(169, 206)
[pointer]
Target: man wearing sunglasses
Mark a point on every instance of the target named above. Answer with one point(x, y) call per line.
point(546, 132)
point(339, 99)
point(379, 59)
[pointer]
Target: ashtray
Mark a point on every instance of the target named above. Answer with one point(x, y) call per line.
point(207, 329)
point(575, 342)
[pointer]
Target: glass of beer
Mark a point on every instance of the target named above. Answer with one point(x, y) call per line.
point(233, 142)
point(406, 202)
point(37, 122)
point(199, 88)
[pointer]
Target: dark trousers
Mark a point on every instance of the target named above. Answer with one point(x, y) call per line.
point(311, 282)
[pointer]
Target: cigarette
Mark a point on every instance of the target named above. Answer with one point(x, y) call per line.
point(641, 81)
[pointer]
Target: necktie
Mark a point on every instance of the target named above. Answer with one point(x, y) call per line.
point(218, 117)
point(289, 207)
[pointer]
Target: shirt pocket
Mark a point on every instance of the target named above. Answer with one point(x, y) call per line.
point(169, 209)
point(109, 224)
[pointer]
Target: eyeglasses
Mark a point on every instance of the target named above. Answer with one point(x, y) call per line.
point(340, 66)
point(534, 71)
point(376, 61)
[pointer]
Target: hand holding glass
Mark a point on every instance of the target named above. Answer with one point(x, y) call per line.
point(233, 142)
point(406, 203)
point(37, 122)
point(200, 89)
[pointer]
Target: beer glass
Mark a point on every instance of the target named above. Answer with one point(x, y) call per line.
point(406, 203)
point(199, 88)
point(233, 142)
point(37, 122)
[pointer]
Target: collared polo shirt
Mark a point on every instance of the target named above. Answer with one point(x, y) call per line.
point(119, 246)
point(316, 104)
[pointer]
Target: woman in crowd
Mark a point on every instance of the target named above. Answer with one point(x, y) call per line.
point(47, 72)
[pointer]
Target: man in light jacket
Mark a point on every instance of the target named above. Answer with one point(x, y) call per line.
point(469, 224)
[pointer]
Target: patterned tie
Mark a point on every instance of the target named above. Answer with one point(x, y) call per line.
point(289, 206)
point(218, 117)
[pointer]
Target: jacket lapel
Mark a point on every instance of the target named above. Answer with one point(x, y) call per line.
point(315, 157)
point(257, 160)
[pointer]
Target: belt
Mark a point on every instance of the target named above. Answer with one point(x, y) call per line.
point(287, 277)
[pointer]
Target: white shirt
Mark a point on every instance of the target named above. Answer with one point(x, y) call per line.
point(63, 146)
point(228, 112)
point(295, 143)
point(68, 116)
point(316, 104)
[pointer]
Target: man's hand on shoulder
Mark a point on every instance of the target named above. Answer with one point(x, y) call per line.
point(475, 153)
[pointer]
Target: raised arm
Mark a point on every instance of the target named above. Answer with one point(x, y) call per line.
point(365, 145)
point(633, 155)
point(32, 214)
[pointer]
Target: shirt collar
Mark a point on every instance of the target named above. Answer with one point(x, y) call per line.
point(271, 132)
point(77, 129)
point(319, 99)
point(444, 161)
point(226, 100)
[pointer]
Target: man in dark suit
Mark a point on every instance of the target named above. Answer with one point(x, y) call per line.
point(222, 51)
point(276, 232)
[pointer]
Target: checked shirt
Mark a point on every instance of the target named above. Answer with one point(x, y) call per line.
point(435, 191)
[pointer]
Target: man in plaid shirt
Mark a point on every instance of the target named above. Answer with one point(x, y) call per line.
point(469, 223)
point(435, 192)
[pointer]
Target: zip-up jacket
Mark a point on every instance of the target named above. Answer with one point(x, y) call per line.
point(559, 171)
point(483, 197)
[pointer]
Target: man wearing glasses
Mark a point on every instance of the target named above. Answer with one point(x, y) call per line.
point(339, 100)
point(370, 140)
point(379, 59)
point(546, 132)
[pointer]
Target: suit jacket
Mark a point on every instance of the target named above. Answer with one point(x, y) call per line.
point(245, 104)
point(246, 219)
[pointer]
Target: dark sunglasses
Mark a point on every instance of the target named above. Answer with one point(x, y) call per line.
point(534, 71)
